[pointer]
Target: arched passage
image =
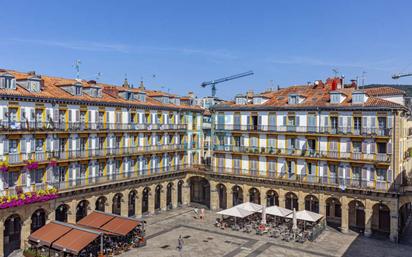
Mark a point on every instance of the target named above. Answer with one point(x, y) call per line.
point(38, 220)
point(180, 193)
point(81, 209)
point(199, 191)
point(312, 203)
point(131, 203)
point(272, 198)
point(237, 195)
point(12, 234)
point(404, 212)
point(222, 194)
point(169, 192)
point(145, 200)
point(356, 216)
point(291, 201)
point(62, 213)
point(254, 195)
point(381, 220)
point(101, 203)
point(333, 212)
point(117, 204)
point(158, 193)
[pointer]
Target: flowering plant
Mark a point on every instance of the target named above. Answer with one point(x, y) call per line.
point(53, 163)
point(28, 198)
point(32, 165)
point(3, 167)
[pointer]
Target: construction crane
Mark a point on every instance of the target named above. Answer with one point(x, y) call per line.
point(217, 81)
point(401, 75)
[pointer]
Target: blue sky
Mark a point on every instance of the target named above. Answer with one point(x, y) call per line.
point(184, 43)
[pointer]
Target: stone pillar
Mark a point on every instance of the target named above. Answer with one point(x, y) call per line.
point(246, 195)
point(25, 232)
point(92, 203)
point(152, 200)
point(71, 215)
point(124, 206)
point(186, 194)
point(229, 195)
point(393, 236)
point(163, 192)
point(138, 205)
point(263, 197)
point(174, 195)
point(2, 236)
point(109, 206)
point(368, 221)
point(322, 205)
point(282, 198)
point(214, 197)
point(345, 214)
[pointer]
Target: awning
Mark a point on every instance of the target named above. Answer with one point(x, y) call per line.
point(250, 206)
point(75, 241)
point(120, 226)
point(95, 219)
point(236, 212)
point(109, 222)
point(277, 211)
point(306, 216)
point(49, 233)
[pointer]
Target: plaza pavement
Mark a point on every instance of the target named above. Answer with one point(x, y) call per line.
point(202, 239)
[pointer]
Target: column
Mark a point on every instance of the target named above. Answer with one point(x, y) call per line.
point(152, 200)
point(229, 195)
point(281, 197)
point(71, 215)
point(214, 197)
point(163, 192)
point(138, 205)
point(110, 203)
point(124, 206)
point(246, 194)
point(368, 221)
point(25, 232)
point(263, 197)
point(322, 205)
point(186, 194)
point(174, 195)
point(2, 236)
point(51, 215)
point(345, 219)
point(393, 236)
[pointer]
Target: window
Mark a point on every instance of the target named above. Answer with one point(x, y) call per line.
point(13, 146)
point(78, 90)
point(292, 143)
point(357, 146)
point(39, 145)
point(358, 98)
point(381, 147)
point(357, 123)
point(293, 99)
point(335, 98)
point(36, 176)
point(334, 122)
point(291, 121)
point(381, 175)
point(356, 172)
point(382, 122)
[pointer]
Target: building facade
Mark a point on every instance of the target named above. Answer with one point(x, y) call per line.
point(63, 141)
point(325, 147)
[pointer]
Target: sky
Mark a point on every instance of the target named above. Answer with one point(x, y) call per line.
point(176, 45)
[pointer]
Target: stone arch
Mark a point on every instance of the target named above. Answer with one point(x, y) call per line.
point(117, 204)
point(222, 195)
point(158, 197)
point(199, 191)
point(169, 195)
point(62, 212)
point(404, 212)
point(237, 195)
point(38, 219)
point(12, 234)
point(101, 203)
point(82, 209)
point(291, 201)
point(272, 198)
point(381, 219)
point(333, 212)
point(131, 203)
point(254, 195)
point(356, 216)
point(146, 192)
point(312, 203)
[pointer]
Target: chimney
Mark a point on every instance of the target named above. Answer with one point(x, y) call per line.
point(353, 83)
point(249, 94)
point(190, 94)
point(141, 87)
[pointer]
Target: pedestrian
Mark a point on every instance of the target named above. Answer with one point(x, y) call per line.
point(180, 243)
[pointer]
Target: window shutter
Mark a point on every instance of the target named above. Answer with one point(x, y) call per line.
point(70, 115)
point(6, 145)
point(363, 147)
point(32, 115)
point(77, 115)
point(389, 148)
point(24, 179)
point(77, 143)
point(389, 121)
point(373, 123)
point(346, 170)
point(364, 174)
point(48, 115)
point(340, 172)
point(389, 176)
point(55, 144)
point(325, 121)
point(297, 121)
point(372, 174)
point(373, 147)
point(56, 115)
point(48, 144)
point(33, 145)
point(23, 146)
point(284, 120)
point(70, 144)
point(364, 122)
point(340, 119)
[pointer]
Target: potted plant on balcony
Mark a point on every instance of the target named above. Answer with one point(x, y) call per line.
point(4, 167)
point(32, 165)
point(270, 150)
point(262, 150)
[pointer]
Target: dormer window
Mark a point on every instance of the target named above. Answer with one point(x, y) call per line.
point(359, 97)
point(141, 96)
point(336, 97)
point(7, 81)
point(240, 99)
point(78, 90)
point(129, 95)
point(293, 99)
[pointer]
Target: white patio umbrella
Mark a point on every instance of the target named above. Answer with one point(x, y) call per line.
point(278, 211)
point(264, 215)
point(306, 216)
point(250, 206)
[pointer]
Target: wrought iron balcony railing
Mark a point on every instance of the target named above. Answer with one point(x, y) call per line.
point(306, 153)
point(356, 131)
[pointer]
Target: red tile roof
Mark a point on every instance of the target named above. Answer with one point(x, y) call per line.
point(52, 90)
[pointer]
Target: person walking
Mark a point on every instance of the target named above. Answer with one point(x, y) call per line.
point(180, 243)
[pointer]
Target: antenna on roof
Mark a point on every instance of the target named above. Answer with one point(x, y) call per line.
point(98, 75)
point(363, 78)
point(77, 67)
point(335, 71)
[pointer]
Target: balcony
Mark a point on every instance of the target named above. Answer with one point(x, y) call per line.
point(81, 126)
point(116, 177)
point(350, 131)
point(22, 158)
point(342, 183)
point(306, 154)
